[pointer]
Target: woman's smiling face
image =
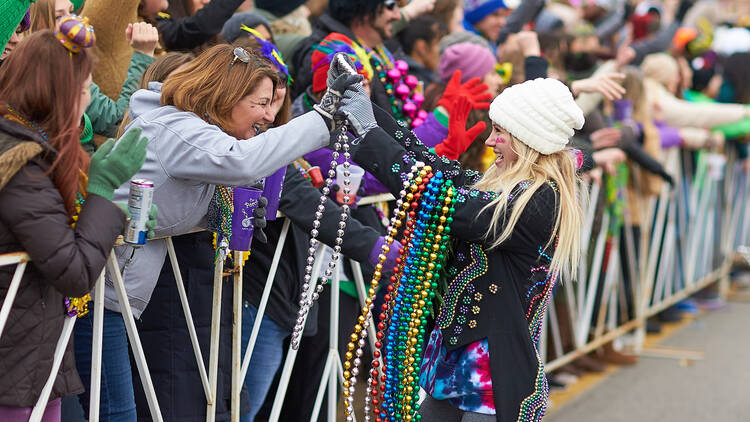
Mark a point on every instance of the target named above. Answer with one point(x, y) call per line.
point(500, 142)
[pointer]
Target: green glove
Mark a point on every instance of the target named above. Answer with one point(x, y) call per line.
point(150, 224)
point(111, 167)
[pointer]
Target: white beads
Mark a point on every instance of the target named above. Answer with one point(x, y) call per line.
point(305, 301)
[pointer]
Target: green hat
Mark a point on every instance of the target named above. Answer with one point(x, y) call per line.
point(11, 14)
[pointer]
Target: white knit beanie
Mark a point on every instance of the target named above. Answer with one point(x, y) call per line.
point(541, 113)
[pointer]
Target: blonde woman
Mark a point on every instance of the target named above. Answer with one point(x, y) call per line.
point(515, 230)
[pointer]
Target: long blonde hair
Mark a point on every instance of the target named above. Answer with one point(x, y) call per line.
point(537, 169)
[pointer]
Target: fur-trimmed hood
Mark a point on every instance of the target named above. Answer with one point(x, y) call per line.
point(18, 144)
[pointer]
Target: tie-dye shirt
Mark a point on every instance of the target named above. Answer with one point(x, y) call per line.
point(462, 376)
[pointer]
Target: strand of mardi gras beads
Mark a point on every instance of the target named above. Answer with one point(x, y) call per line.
point(434, 249)
point(352, 363)
point(402, 336)
point(406, 332)
point(307, 299)
point(376, 385)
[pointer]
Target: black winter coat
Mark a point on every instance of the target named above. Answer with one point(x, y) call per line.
point(499, 294)
point(192, 31)
point(64, 262)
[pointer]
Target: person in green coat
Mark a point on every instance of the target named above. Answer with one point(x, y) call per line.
point(105, 113)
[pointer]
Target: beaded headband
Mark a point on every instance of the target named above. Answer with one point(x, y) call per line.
point(75, 33)
point(269, 51)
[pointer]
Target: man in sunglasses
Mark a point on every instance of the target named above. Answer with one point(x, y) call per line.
point(367, 22)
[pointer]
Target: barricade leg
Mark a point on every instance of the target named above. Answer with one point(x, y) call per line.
point(237, 379)
point(264, 299)
point(188, 318)
point(96, 350)
point(62, 344)
point(20, 259)
point(291, 355)
point(135, 340)
point(213, 358)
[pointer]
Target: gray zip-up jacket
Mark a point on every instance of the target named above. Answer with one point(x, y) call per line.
point(186, 158)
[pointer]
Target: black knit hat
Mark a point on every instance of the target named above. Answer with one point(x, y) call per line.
point(279, 7)
point(345, 11)
point(232, 28)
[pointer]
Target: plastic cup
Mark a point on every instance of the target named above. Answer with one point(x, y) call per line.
point(245, 202)
point(623, 110)
point(355, 179)
point(272, 191)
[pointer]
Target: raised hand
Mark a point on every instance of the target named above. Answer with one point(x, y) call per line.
point(143, 37)
point(459, 138)
point(607, 84)
point(473, 90)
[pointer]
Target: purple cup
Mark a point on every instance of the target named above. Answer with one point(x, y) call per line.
point(623, 110)
point(272, 191)
point(245, 202)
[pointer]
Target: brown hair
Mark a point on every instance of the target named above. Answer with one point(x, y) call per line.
point(43, 82)
point(163, 66)
point(157, 71)
point(444, 10)
point(210, 86)
point(285, 112)
point(42, 14)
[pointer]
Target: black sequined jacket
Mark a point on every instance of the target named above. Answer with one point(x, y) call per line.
point(499, 294)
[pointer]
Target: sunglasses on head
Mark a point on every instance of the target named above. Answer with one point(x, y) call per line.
point(390, 4)
point(240, 54)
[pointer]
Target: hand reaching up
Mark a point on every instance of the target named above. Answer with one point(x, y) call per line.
point(143, 37)
point(607, 84)
point(473, 90)
point(459, 138)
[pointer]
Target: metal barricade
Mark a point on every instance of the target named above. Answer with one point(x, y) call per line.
point(704, 216)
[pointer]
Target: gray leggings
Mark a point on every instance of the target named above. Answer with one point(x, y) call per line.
point(442, 411)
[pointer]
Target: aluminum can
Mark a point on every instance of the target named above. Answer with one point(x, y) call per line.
point(139, 205)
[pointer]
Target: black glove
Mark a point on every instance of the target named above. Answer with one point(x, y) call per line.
point(259, 220)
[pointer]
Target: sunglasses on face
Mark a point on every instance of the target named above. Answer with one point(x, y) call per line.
point(240, 54)
point(390, 4)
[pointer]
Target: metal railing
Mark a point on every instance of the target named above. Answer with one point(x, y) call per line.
point(707, 210)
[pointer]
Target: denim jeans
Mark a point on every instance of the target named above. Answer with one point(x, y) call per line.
point(117, 399)
point(266, 359)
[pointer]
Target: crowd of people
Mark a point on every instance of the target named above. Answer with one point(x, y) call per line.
point(511, 102)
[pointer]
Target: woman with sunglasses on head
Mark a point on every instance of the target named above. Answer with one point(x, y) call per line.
point(56, 206)
point(200, 122)
point(514, 230)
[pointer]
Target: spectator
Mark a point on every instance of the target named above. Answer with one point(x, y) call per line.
point(420, 41)
point(48, 182)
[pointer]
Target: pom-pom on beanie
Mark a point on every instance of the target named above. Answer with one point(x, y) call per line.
point(476, 10)
point(541, 113)
point(473, 60)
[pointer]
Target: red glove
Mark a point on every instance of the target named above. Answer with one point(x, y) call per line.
point(459, 138)
point(474, 90)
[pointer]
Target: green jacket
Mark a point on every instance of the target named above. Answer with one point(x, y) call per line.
point(105, 113)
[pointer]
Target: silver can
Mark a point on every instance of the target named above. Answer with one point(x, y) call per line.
point(139, 205)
